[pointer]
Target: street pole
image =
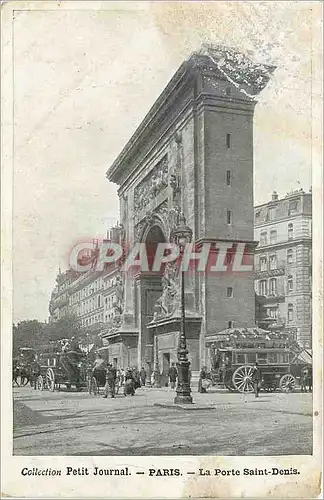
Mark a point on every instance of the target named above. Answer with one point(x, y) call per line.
point(183, 386)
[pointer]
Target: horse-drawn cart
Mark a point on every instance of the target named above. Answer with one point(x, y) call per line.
point(58, 368)
point(234, 352)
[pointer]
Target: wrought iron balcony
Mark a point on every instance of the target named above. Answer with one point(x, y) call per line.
point(270, 272)
point(275, 297)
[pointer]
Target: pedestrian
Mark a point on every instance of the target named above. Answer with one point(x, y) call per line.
point(110, 381)
point(304, 380)
point(310, 379)
point(121, 376)
point(173, 375)
point(143, 376)
point(256, 378)
point(136, 377)
point(35, 371)
point(226, 368)
point(202, 380)
point(129, 387)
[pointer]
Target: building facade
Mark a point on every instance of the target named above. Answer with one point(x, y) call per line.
point(89, 295)
point(283, 264)
point(192, 155)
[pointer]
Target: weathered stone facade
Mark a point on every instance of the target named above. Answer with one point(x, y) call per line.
point(177, 161)
point(283, 264)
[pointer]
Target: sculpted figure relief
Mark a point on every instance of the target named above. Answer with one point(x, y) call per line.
point(119, 305)
point(152, 185)
point(169, 300)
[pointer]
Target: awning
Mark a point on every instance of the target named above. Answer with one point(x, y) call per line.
point(304, 357)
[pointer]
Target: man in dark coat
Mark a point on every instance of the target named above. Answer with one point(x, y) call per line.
point(304, 379)
point(256, 378)
point(110, 381)
point(202, 376)
point(173, 375)
point(143, 376)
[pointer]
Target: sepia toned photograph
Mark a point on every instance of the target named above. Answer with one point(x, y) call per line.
point(164, 206)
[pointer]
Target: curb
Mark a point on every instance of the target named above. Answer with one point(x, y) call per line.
point(188, 407)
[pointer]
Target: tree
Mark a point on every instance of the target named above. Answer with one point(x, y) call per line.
point(28, 333)
point(65, 328)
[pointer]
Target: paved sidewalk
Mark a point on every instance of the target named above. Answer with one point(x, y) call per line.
point(75, 423)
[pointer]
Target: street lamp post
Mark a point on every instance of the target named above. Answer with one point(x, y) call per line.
point(182, 235)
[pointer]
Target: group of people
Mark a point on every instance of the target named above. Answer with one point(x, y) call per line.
point(107, 375)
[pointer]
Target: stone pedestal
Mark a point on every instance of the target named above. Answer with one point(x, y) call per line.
point(166, 334)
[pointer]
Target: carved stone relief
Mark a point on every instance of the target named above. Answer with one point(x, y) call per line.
point(151, 186)
point(169, 301)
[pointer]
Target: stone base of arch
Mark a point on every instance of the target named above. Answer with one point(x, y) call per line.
point(165, 334)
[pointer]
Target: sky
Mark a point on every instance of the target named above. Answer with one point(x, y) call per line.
point(84, 80)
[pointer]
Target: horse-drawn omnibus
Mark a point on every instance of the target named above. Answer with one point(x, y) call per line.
point(234, 352)
point(62, 367)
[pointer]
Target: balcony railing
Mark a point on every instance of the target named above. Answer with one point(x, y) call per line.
point(274, 297)
point(270, 270)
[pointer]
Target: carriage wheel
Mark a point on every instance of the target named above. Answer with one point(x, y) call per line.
point(287, 383)
point(50, 379)
point(40, 383)
point(242, 379)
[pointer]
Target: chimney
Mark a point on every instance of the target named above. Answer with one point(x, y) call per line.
point(114, 234)
point(274, 196)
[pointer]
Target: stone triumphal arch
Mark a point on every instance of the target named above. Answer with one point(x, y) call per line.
point(191, 155)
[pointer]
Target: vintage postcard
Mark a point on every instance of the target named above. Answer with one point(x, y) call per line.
point(161, 249)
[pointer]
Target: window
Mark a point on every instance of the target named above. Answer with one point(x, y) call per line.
point(231, 324)
point(290, 312)
point(263, 287)
point(272, 312)
point(228, 177)
point(263, 238)
point(263, 263)
point(230, 292)
point(271, 213)
point(290, 231)
point(228, 140)
point(273, 262)
point(251, 357)
point(273, 237)
point(229, 217)
point(282, 358)
point(272, 358)
point(262, 358)
point(290, 256)
point(290, 283)
point(293, 207)
point(273, 286)
point(240, 359)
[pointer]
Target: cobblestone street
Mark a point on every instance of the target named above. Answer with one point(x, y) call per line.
point(75, 423)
